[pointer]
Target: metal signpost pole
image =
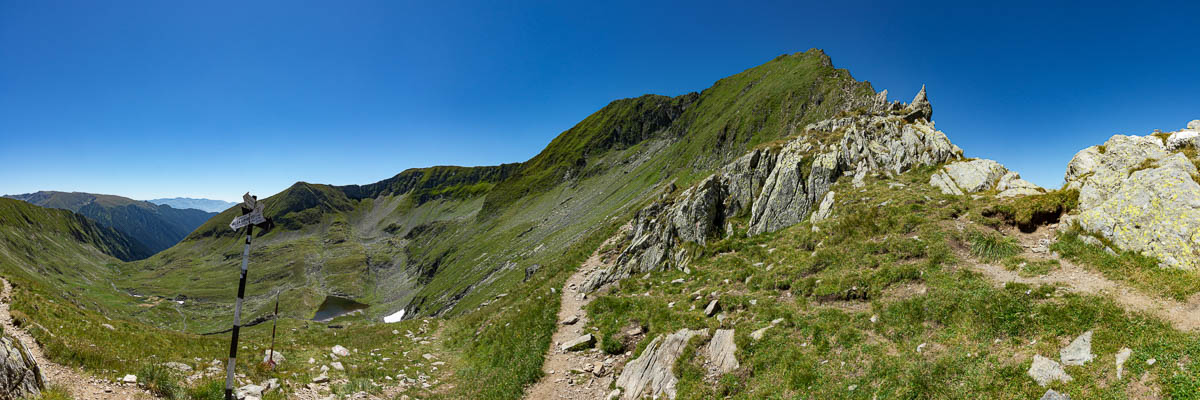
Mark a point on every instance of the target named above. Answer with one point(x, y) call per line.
point(237, 315)
point(252, 215)
point(274, 323)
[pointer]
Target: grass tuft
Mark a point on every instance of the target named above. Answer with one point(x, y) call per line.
point(992, 247)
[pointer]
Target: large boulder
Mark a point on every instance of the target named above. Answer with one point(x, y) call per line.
point(981, 175)
point(20, 376)
point(651, 374)
point(1155, 211)
point(1142, 195)
point(1098, 171)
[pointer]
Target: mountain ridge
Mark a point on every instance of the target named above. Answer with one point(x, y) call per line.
point(155, 227)
point(206, 205)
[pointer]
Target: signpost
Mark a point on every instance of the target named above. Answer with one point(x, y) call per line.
point(252, 215)
point(274, 323)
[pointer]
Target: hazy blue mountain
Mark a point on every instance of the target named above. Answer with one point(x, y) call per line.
point(208, 205)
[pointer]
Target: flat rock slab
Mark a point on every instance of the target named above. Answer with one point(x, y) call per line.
point(721, 352)
point(1079, 352)
point(651, 374)
point(712, 308)
point(1044, 370)
point(579, 343)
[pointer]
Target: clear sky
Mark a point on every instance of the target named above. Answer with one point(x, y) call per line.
point(211, 99)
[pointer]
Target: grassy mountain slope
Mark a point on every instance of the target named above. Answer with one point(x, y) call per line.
point(155, 227)
point(45, 241)
point(443, 240)
point(458, 241)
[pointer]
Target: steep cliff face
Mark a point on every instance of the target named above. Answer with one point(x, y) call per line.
point(1141, 193)
point(780, 186)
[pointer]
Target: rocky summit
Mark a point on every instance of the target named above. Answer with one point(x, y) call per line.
point(780, 185)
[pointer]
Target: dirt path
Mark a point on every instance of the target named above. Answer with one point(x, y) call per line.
point(1184, 316)
point(571, 375)
point(82, 387)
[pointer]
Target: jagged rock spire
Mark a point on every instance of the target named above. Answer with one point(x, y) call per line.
point(919, 108)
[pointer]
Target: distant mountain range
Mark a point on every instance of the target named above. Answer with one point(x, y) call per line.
point(153, 227)
point(208, 205)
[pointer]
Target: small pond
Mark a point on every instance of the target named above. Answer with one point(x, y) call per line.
point(335, 306)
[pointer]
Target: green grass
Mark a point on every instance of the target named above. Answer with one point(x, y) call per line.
point(1029, 268)
point(1029, 212)
point(992, 246)
point(1134, 269)
point(160, 381)
point(897, 263)
point(55, 393)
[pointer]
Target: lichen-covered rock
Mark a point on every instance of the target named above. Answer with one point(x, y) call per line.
point(20, 376)
point(1155, 211)
point(1099, 170)
point(783, 201)
point(652, 374)
point(1141, 194)
point(698, 214)
point(919, 108)
point(975, 175)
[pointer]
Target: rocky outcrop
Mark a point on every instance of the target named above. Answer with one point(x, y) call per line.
point(1185, 138)
point(651, 373)
point(981, 175)
point(721, 352)
point(20, 376)
point(781, 186)
point(1141, 195)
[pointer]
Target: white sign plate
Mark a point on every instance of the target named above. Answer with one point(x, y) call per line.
point(253, 218)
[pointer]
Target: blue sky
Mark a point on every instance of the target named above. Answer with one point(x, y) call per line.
point(211, 99)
